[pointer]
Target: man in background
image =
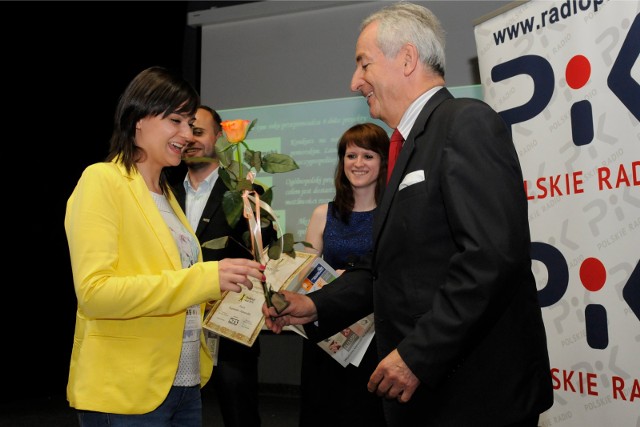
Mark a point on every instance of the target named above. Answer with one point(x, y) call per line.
point(235, 375)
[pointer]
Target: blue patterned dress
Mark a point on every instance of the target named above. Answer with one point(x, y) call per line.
point(344, 243)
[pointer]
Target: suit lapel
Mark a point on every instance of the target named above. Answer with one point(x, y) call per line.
point(211, 207)
point(418, 129)
point(214, 202)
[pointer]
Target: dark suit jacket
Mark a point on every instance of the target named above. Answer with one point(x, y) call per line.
point(212, 225)
point(449, 278)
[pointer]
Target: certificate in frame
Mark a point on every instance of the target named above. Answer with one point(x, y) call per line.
point(238, 315)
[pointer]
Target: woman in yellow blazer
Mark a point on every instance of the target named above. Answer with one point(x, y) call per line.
point(139, 354)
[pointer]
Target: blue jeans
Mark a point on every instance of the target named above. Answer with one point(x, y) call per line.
point(181, 408)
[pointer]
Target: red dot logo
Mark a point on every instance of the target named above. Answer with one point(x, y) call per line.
point(592, 274)
point(578, 72)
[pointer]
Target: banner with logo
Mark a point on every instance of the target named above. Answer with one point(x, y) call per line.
point(565, 75)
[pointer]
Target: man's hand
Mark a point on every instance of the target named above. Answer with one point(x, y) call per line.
point(393, 379)
point(301, 310)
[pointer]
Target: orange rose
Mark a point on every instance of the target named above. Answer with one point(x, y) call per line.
point(235, 130)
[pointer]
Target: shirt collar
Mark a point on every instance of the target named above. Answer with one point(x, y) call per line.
point(409, 117)
point(207, 184)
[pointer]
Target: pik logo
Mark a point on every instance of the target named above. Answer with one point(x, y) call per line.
point(593, 277)
point(620, 81)
point(577, 74)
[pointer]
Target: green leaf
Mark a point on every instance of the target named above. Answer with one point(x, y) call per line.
point(198, 160)
point(265, 222)
point(287, 244)
point(219, 243)
point(278, 163)
point(225, 151)
point(244, 184)
point(274, 251)
point(234, 171)
point(283, 245)
point(223, 242)
point(267, 196)
point(232, 206)
point(253, 123)
point(228, 181)
point(253, 158)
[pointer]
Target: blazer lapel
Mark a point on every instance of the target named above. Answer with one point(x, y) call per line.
point(419, 127)
point(142, 195)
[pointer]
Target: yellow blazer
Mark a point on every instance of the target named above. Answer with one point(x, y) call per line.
point(132, 294)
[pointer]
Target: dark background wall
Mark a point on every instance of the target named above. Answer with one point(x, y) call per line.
point(64, 65)
point(298, 51)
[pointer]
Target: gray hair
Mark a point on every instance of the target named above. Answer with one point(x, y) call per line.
point(402, 23)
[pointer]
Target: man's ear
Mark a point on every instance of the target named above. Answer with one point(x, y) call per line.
point(411, 58)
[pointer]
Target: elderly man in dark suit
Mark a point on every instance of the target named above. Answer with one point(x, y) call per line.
point(235, 375)
point(461, 340)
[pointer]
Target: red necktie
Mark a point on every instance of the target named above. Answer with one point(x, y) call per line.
point(394, 150)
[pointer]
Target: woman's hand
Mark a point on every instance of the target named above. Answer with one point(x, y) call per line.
point(233, 272)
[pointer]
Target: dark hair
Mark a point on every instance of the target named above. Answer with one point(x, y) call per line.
point(217, 120)
point(154, 91)
point(370, 137)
